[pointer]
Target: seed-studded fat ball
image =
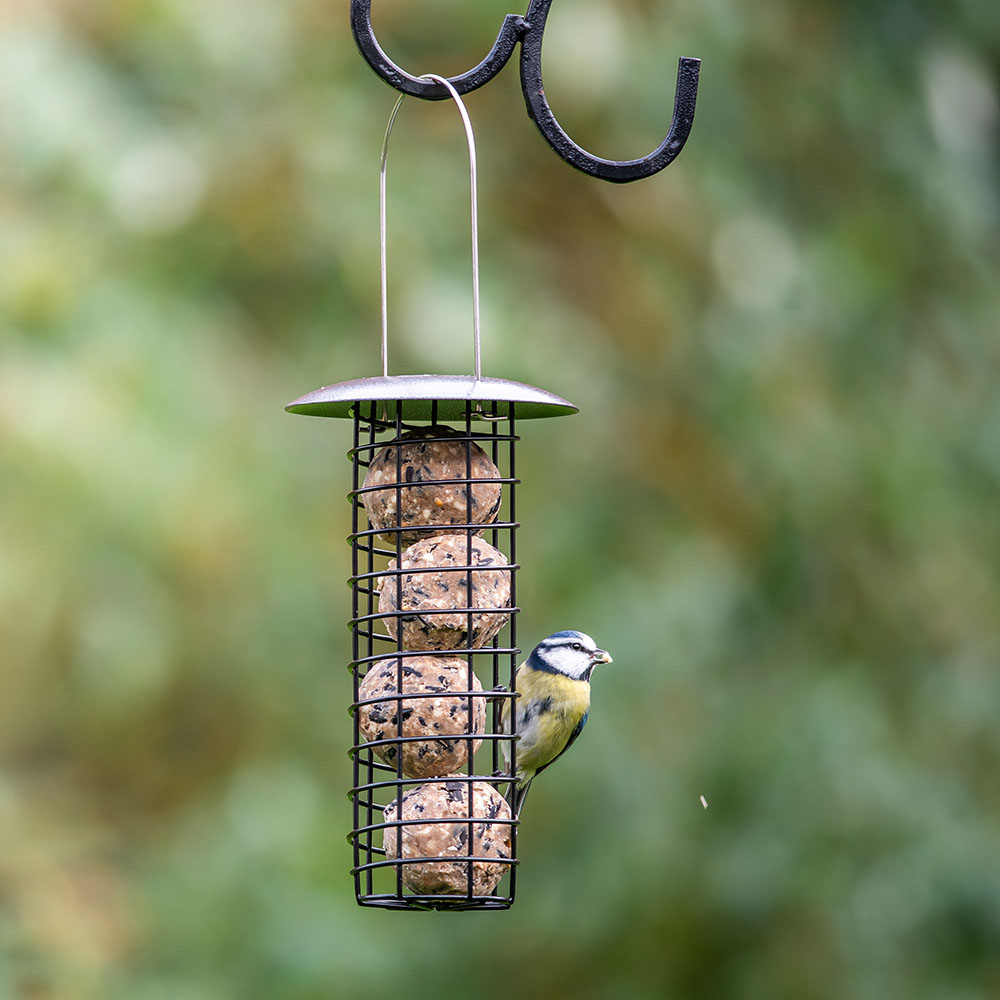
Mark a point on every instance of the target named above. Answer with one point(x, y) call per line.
point(436, 716)
point(443, 800)
point(426, 505)
point(430, 591)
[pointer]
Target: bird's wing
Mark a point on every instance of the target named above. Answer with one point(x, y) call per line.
point(505, 722)
point(572, 738)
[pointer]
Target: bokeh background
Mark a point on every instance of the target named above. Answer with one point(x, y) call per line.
point(778, 506)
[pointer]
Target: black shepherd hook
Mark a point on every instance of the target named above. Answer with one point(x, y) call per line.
point(528, 30)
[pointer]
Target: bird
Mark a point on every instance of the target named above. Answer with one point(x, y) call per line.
point(553, 685)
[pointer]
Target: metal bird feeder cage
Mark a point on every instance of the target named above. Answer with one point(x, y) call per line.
point(466, 415)
point(434, 560)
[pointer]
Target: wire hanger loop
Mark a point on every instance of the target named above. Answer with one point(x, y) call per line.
point(470, 138)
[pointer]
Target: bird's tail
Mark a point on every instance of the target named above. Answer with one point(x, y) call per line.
point(518, 793)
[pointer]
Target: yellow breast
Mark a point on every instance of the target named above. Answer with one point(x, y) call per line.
point(549, 709)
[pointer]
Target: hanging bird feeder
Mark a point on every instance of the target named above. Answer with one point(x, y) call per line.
point(434, 560)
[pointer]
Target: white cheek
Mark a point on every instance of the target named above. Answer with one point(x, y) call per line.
point(564, 661)
point(571, 662)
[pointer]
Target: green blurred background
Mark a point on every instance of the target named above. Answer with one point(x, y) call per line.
point(778, 506)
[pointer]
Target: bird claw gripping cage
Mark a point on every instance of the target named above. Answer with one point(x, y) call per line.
point(434, 560)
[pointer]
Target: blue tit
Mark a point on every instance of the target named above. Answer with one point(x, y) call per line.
point(554, 688)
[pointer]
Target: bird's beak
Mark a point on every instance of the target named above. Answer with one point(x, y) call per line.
point(602, 656)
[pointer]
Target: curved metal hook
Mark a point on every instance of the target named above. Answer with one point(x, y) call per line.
point(529, 31)
point(618, 171)
point(511, 30)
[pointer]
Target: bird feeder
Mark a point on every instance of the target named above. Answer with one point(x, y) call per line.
point(434, 636)
point(434, 562)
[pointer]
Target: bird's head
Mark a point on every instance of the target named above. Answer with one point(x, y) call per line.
point(573, 654)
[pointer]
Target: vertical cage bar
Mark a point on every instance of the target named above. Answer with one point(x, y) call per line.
point(369, 591)
point(398, 582)
point(469, 625)
point(513, 655)
point(356, 648)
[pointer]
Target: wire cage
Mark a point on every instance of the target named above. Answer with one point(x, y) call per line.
point(434, 636)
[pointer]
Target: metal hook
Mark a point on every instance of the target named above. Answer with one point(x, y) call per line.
point(503, 48)
point(528, 31)
point(619, 171)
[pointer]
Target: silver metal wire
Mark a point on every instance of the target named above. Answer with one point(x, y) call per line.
point(474, 198)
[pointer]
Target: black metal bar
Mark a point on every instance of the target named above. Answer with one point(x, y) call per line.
point(368, 759)
point(503, 48)
point(431, 859)
point(529, 31)
point(470, 600)
point(617, 171)
point(356, 652)
point(513, 656)
point(392, 741)
point(417, 570)
point(439, 652)
point(451, 527)
point(495, 708)
point(416, 782)
point(398, 538)
point(451, 904)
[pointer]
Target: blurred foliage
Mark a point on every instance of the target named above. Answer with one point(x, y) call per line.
point(778, 506)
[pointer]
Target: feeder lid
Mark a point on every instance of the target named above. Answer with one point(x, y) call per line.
point(416, 393)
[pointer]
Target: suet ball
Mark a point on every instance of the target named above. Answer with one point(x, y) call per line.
point(450, 799)
point(430, 592)
point(427, 505)
point(434, 718)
